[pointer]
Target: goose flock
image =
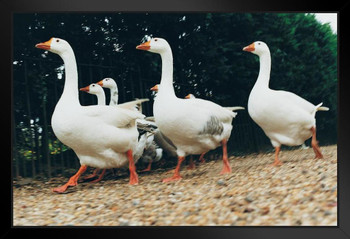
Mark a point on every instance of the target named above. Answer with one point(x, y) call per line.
point(119, 135)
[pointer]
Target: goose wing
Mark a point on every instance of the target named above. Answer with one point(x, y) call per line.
point(116, 116)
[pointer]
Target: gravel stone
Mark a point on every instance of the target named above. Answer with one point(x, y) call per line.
point(302, 191)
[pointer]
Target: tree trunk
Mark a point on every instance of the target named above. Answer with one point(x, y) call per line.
point(62, 157)
point(29, 119)
point(46, 137)
point(38, 164)
point(15, 157)
point(23, 160)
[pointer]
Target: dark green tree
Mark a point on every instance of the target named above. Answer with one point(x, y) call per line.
point(208, 62)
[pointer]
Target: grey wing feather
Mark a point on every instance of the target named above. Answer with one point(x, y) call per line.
point(165, 143)
point(213, 126)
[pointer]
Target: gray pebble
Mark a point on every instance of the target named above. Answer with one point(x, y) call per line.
point(221, 182)
point(136, 202)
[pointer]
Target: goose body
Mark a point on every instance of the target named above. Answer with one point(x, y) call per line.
point(194, 126)
point(163, 141)
point(201, 158)
point(152, 152)
point(213, 122)
point(101, 136)
point(146, 148)
point(286, 118)
point(200, 127)
point(110, 153)
point(97, 90)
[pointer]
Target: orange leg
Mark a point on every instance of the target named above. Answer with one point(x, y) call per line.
point(73, 181)
point(191, 166)
point(227, 167)
point(201, 158)
point(133, 175)
point(314, 144)
point(148, 167)
point(93, 175)
point(100, 177)
point(277, 161)
point(176, 175)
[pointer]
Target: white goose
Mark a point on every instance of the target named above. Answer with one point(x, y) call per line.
point(112, 86)
point(101, 136)
point(285, 117)
point(152, 153)
point(96, 89)
point(142, 124)
point(194, 126)
point(201, 158)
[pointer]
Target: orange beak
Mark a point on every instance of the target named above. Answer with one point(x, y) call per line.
point(86, 89)
point(188, 96)
point(44, 45)
point(144, 46)
point(249, 48)
point(100, 83)
point(154, 88)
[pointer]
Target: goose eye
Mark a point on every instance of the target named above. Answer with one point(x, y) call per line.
point(156, 39)
point(57, 40)
point(93, 85)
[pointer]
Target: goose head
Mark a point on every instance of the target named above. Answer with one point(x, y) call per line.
point(92, 89)
point(108, 83)
point(55, 45)
point(190, 96)
point(257, 48)
point(155, 88)
point(156, 45)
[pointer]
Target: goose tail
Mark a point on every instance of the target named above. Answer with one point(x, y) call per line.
point(319, 107)
point(131, 108)
point(234, 108)
point(133, 105)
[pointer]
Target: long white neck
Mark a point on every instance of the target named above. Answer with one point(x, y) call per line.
point(101, 98)
point(166, 82)
point(264, 72)
point(114, 96)
point(70, 93)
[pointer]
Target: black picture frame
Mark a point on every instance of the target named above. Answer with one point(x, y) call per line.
point(8, 7)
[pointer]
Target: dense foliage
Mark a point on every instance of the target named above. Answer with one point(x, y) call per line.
point(208, 62)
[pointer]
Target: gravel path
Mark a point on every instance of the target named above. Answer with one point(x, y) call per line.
point(303, 191)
